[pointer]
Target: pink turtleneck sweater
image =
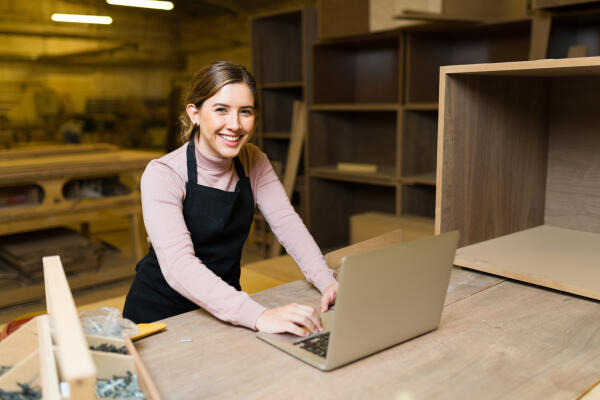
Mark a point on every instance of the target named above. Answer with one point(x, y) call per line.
point(163, 192)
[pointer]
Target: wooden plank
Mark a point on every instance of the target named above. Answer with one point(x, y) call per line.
point(299, 118)
point(536, 344)
point(48, 371)
point(73, 165)
point(372, 224)
point(144, 379)
point(542, 4)
point(56, 149)
point(577, 51)
point(20, 344)
point(357, 167)
point(485, 145)
point(541, 68)
point(557, 258)
point(540, 35)
point(76, 364)
point(573, 180)
point(334, 258)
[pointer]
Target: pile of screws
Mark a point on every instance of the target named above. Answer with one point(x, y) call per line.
point(109, 348)
point(4, 369)
point(119, 387)
point(26, 393)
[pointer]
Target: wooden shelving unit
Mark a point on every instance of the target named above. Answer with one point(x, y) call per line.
point(374, 100)
point(520, 177)
point(280, 58)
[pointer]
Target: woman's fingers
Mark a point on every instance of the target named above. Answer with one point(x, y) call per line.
point(329, 295)
point(294, 318)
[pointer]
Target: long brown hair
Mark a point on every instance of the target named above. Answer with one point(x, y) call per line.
point(207, 82)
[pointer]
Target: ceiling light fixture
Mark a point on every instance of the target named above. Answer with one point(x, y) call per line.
point(156, 4)
point(82, 19)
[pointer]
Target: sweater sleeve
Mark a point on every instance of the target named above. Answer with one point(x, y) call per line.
point(288, 227)
point(163, 192)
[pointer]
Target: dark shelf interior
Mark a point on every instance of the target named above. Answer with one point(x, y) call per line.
point(333, 202)
point(359, 72)
point(278, 58)
point(354, 137)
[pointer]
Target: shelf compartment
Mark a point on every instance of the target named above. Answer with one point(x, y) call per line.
point(332, 203)
point(419, 145)
point(350, 137)
point(280, 38)
point(21, 195)
point(428, 51)
point(581, 29)
point(419, 200)
point(357, 72)
point(277, 107)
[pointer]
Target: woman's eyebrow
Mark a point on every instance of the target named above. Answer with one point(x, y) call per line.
point(227, 105)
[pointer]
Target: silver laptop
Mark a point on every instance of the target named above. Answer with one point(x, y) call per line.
point(385, 297)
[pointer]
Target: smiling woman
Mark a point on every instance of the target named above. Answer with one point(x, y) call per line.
point(198, 204)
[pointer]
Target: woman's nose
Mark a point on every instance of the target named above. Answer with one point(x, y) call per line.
point(233, 122)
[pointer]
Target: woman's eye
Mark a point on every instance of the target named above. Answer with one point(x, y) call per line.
point(247, 112)
point(220, 109)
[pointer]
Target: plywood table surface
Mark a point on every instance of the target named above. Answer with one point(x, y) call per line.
point(546, 255)
point(497, 339)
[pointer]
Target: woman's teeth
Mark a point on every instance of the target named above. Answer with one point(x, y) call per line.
point(231, 139)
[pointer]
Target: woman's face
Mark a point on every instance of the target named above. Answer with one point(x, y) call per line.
point(226, 120)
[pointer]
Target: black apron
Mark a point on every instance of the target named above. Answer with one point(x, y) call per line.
point(218, 222)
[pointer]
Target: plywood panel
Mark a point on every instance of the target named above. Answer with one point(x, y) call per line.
point(550, 256)
point(494, 130)
point(573, 185)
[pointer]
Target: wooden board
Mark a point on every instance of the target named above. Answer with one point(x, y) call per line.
point(541, 4)
point(74, 359)
point(557, 258)
point(573, 181)
point(48, 370)
point(20, 344)
point(372, 224)
point(334, 258)
point(56, 149)
point(92, 164)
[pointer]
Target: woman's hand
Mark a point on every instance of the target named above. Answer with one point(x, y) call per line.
point(329, 296)
point(294, 318)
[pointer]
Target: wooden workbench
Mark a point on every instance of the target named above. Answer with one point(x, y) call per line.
point(497, 339)
point(40, 176)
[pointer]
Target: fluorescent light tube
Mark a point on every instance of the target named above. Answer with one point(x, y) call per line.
point(156, 4)
point(83, 19)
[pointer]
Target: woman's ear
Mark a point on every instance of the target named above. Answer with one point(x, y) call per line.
point(193, 112)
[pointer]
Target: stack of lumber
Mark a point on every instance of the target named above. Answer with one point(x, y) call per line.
point(24, 251)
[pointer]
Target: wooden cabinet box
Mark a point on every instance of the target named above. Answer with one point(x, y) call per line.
point(339, 18)
point(519, 170)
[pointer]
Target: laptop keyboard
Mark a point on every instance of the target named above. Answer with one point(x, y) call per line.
point(316, 344)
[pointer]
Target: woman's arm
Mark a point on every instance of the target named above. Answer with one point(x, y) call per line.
point(288, 227)
point(163, 191)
